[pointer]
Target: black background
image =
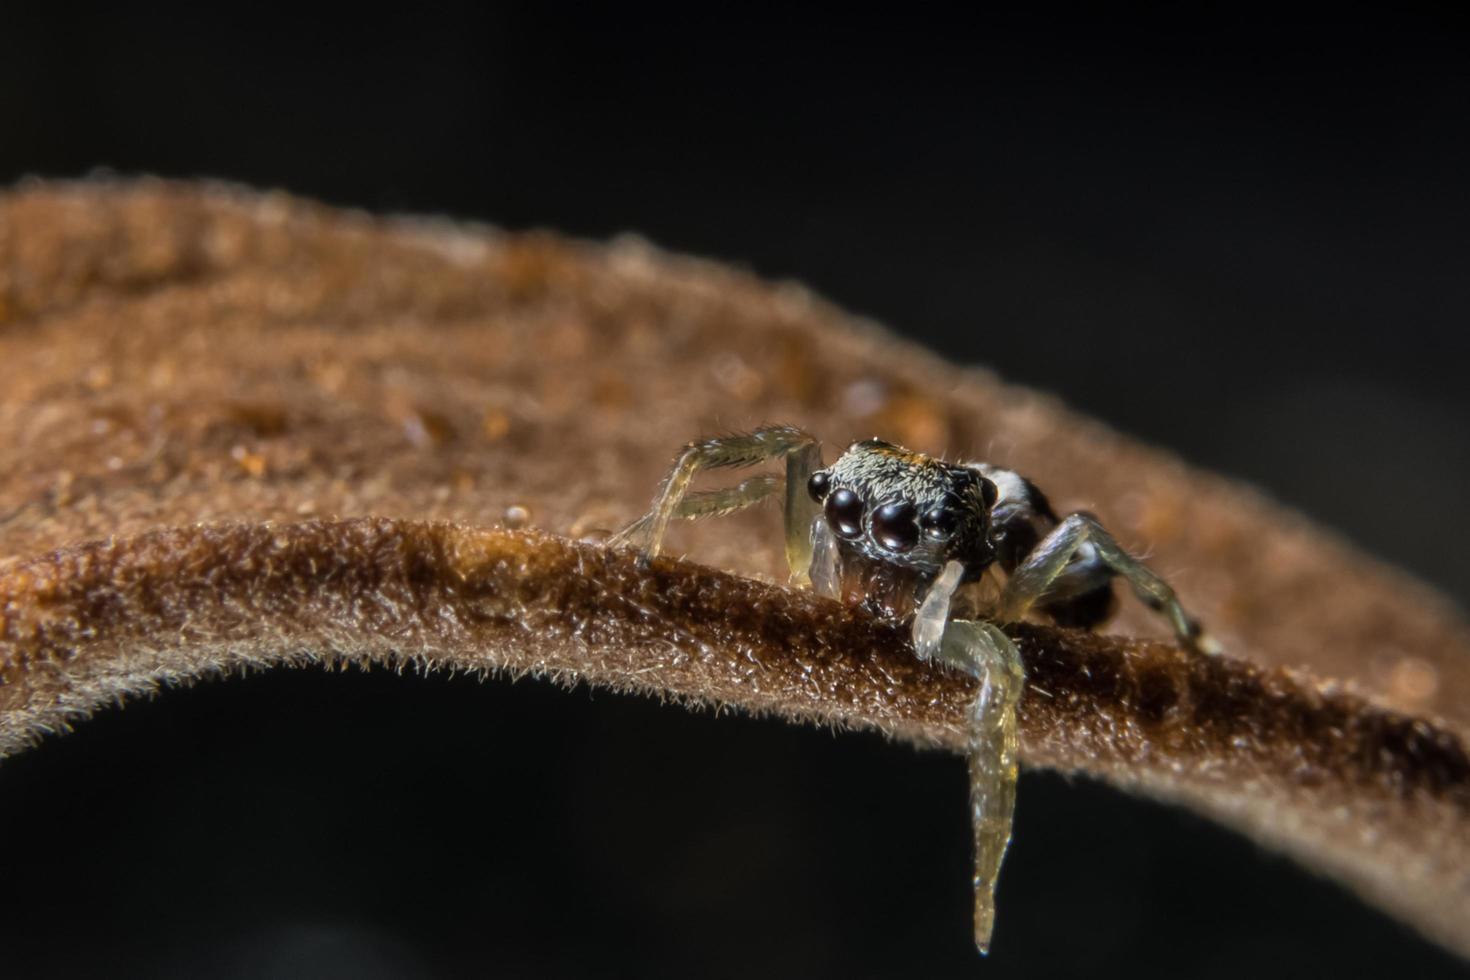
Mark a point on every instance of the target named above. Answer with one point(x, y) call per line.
point(1242, 236)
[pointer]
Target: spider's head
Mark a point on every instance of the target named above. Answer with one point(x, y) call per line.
point(902, 508)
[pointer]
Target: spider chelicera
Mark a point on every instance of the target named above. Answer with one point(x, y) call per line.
point(908, 535)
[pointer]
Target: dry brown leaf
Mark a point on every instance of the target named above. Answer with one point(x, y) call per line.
point(246, 429)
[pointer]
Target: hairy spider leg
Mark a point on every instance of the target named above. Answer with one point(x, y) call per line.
point(700, 504)
point(1035, 578)
point(1084, 572)
point(803, 455)
point(981, 650)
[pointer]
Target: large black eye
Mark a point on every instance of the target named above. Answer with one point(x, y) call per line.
point(894, 527)
point(940, 523)
point(818, 485)
point(845, 513)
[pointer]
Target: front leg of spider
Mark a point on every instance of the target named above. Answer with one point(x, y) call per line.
point(981, 650)
point(825, 559)
point(802, 454)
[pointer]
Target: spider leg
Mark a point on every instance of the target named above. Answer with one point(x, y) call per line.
point(802, 453)
point(981, 650)
point(712, 503)
point(1046, 568)
point(823, 569)
point(932, 619)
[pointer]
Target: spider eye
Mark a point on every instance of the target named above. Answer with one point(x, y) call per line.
point(988, 493)
point(894, 527)
point(818, 485)
point(845, 513)
point(940, 522)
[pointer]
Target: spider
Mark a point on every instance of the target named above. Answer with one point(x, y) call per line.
point(907, 535)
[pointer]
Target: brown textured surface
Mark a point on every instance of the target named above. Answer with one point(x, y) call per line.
point(177, 355)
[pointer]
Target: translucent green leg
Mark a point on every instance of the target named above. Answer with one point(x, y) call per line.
point(987, 654)
point(803, 455)
point(932, 619)
point(983, 650)
point(1033, 577)
point(824, 559)
point(709, 503)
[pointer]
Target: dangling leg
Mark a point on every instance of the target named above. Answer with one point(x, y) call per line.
point(803, 455)
point(1036, 577)
point(993, 752)
point(987, 654)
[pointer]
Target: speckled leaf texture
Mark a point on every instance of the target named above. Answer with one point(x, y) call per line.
point(242, 429)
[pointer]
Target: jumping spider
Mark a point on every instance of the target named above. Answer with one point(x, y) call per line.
point(908, 535)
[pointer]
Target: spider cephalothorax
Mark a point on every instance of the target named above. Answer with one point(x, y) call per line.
point(903, 508)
